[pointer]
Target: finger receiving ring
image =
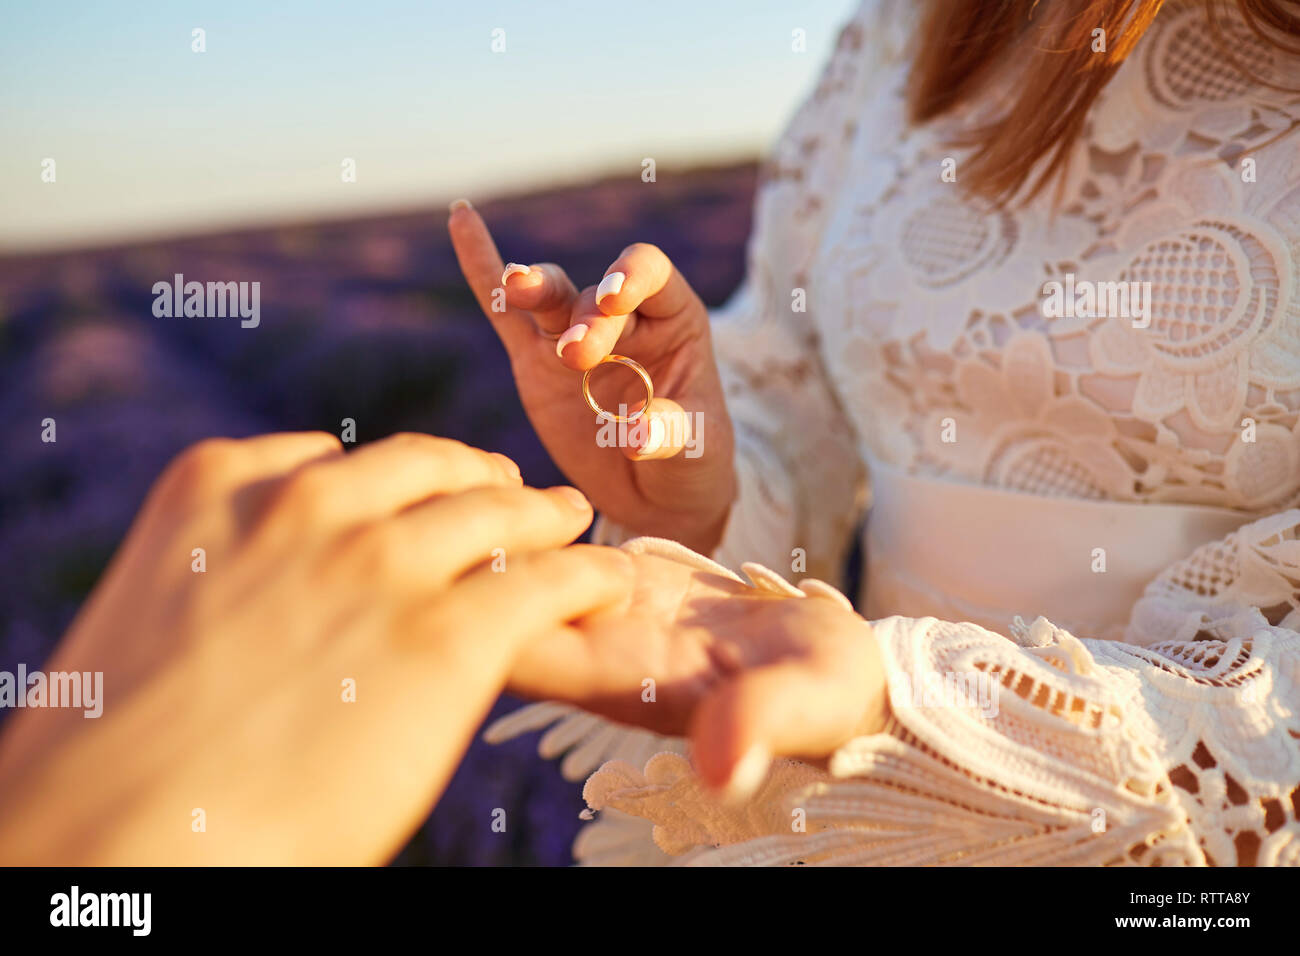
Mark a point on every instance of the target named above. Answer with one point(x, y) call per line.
point(641, 373)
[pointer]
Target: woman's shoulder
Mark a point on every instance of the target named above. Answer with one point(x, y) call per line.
point(1219, 77)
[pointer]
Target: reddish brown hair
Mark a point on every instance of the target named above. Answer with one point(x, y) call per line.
point(962, 43)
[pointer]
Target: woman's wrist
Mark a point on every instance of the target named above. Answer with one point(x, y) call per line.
point(705, 539)
point(701, 532)
point(705, 536)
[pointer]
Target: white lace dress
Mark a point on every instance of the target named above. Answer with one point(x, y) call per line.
point(1131, 490)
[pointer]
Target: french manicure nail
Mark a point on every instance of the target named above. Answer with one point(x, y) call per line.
point(459, 204)
point(656, 432)
point(612, 284)
point(574, 333)
point(514, 268)
point(748, 775)
point(574, 497)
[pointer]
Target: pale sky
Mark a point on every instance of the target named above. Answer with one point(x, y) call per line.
point(152, 139)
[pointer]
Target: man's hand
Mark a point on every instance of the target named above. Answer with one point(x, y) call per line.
point(310, 689)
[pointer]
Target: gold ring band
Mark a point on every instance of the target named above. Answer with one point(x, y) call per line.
point(641, 374)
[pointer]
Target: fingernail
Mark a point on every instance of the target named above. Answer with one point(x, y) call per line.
point(612, 284)
point(655, 437)
point(647, 435)
point(748, 775)
point(574, 333)
point(508, 466)
point(514, 268)
point(574, 497)
point(459, 204)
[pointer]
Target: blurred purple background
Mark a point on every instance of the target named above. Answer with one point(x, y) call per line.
point(368, 319)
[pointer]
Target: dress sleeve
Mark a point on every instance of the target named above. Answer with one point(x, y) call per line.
point(1045, 749)
point(801, 480)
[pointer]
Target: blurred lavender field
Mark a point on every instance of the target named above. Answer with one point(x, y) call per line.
point(366, 319)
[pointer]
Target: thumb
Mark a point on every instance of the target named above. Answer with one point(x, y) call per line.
point(664, 431)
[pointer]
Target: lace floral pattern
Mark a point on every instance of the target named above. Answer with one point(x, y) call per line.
point(1096, 753)
point(928, 304)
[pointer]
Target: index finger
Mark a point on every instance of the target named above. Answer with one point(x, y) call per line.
point(384, 477)
point(496, 614)
point(482, 266)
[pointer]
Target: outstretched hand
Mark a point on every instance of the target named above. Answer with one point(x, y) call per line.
point(296, 645)
point(745, 674)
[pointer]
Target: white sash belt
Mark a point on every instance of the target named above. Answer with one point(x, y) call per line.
point(964, 552)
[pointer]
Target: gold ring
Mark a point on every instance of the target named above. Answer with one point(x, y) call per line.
point(641, 374)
